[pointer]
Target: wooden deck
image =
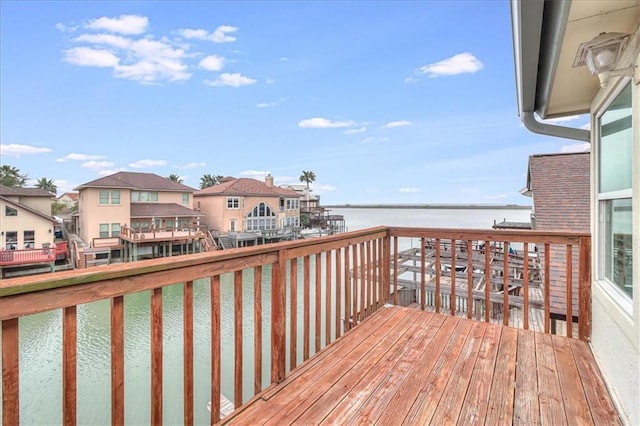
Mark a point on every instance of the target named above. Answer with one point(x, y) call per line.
point(405, 366)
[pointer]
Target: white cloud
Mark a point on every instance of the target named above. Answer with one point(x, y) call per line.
point(562, 119)
point(89, 57)
point(576, 147)
point(97, 165)
point(124, 24)
point(108, 39)
point(219, 35)
point(410, 80)
point(355, 131)
point(462, 63)
point(399, 123)
point(409, 189)
point(107, 172)
point(79, 157)
point(231, 80)
point(256, 174)
point(271, 104)
point(16, 150)
point(324, 188)
point(586, 126)
point(212, 63)
point(374, 139)
point(190, 166)
point(145, 164)
point(323, 123)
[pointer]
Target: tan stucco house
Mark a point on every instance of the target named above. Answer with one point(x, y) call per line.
point(248, 205)
point(25, 218)
point(68, 199)
point(582, 57)
point(137, 201)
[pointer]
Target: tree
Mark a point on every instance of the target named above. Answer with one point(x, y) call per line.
point(208, 180)
point(11, 176)
point(47, 184)
point(175, 178)
point(308, 177)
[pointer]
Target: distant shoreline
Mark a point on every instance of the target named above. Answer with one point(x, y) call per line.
point(432, 206)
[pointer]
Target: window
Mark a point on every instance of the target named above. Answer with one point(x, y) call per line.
point(29, 239)
point(261, 217)
point(233, 202)
point(104, 230)
point(115, 229)
point(144, 197)
point(10, 211)
point(293, 204)
point(232, 225)
point(109, 197)
point(614, 193)
point(11, 240)
point(185, 198)
point(282, 204)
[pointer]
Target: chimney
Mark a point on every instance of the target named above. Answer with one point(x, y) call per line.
point(268, 180)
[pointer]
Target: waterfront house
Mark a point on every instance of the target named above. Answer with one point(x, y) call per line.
point(581, 57)
point(559, 187)
point(119, 211)
point(26, 227)
point(248, 205)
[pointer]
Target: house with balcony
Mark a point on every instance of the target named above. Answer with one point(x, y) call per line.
point(581, 57)
point(248, 206)
point(320, 317)
point(129, 216)
point(26, 229)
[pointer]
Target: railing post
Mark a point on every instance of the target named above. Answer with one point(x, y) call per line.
point(10, 373)
point(278, 322)
point(584, 291)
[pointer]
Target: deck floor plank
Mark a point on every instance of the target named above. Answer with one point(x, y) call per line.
point(525, 410)
point(408, 366)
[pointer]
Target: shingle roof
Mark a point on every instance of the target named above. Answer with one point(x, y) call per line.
point(161, 210)
point(246, 187)
point(136, 181)
point(24, 192)
point(560, 185)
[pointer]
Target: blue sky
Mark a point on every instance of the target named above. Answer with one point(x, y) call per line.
point(386, 102)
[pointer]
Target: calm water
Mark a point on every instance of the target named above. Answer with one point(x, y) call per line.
point(41, 336)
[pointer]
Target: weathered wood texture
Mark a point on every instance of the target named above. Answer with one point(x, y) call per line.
point(405, 366)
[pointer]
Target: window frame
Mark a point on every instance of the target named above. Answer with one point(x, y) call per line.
point(233, 203)
point(619, 296)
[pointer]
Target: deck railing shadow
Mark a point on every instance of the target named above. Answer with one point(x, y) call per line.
point(319, 290)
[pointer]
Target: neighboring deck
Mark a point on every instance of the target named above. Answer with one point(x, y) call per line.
point(408, 366)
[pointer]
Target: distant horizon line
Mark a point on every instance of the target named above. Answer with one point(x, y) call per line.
point(469, 206)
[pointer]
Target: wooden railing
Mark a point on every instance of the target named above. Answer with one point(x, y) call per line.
point(162, 233)
point(319, 289)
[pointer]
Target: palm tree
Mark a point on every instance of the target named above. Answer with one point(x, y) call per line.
point(47, 184)
point(308, 177)
point(11, 176)
point(175, 178)
point(208, 180)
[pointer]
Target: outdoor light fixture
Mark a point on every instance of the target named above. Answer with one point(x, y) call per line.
point(601, 54)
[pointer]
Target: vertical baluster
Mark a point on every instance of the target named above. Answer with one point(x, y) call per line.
point(328, 285)
point(469, 279)
point(525, 285)
point(505, 285)
point(257, 329)
point(438, 273)
point(293, 314)
point(363, 283)
point(547, 302)
point(338, 317)
point(347, 288)
point(117, 360)
point(423, 272)
point(187, 300)
point(318, 299)
point(238, 353)
point(369, 265)
point(354, 286)
point(452, 300)
point(215, 349)
point(307, 307)
point(10, 373)
point(278, 319)
point(584, 289)
point(156, 356)
point(376, 274)
point(569, 317)
point(69, 345)
point(395, 271)
point(487, 280)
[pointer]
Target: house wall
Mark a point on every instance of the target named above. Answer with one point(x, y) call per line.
point(92, 213)
point(42, 204)
point(616, 325)
point(24, 221)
